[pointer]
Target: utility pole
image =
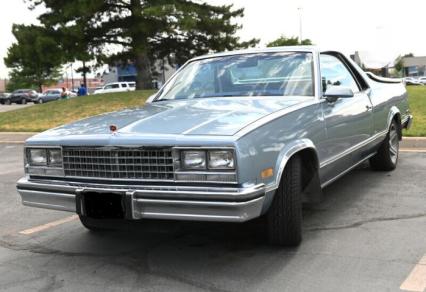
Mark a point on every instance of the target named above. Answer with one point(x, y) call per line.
point(72, 78)
point(300, 25)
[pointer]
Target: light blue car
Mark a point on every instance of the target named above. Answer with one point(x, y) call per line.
point(230, 137)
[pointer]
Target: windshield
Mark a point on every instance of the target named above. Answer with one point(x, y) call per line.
point(261, 74)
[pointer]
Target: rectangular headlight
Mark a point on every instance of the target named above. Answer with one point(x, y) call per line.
point(194, 159)
point(55, 157)
point(37, 157)
point(221, 159)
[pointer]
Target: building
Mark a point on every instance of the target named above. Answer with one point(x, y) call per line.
point(128, 73)
point(375, 63)
point(414, 66)
point(92, 84)
point(3, 83)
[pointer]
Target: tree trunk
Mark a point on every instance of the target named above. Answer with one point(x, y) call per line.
point(140, 47)
point(143, 71)
point(84, 74)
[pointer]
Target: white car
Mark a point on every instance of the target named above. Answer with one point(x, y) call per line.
point(422, 80)
point(116, 87)
point(412, 81)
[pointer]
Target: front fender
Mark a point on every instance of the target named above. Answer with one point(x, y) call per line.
point(286, 153)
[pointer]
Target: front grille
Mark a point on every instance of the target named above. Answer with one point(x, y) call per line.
point(118, 163)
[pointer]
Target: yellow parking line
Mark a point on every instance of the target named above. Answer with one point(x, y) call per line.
point(416, 281)
point(12, 142)
point(48, 225)
point(419, 150)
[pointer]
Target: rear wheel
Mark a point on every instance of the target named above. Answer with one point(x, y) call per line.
point(7, 102)
point(386, 158)
point(40, 101)
point(284, 217)
point(23, 101)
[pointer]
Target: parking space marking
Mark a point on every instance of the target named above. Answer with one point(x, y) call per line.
point(418, 150)
point(416, 281)
point(48, 225)
point(12, 142)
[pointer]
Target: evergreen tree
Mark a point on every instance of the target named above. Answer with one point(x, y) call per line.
point(142, 31)
point(285, 41)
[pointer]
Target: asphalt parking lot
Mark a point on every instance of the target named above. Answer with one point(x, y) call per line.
point(12, 107)
point(368, 235)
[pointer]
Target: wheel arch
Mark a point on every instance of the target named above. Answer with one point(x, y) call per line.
point(395, 115)
point(306, 149)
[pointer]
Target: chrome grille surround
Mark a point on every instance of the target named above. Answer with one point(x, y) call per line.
point(119, 163)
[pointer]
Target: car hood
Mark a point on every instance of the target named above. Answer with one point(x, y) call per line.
point(210, 116)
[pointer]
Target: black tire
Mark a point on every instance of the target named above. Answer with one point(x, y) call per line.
point(386, 157)
point(23, 101)
point(7, 102)
point(95, 225)
point(284, 218)
point(40, 101)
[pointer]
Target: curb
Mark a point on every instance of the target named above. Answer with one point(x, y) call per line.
point(14, 137)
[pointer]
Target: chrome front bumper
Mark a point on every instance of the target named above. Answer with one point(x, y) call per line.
point(156, 202)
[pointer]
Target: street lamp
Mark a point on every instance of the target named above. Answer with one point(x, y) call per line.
point(299, 9)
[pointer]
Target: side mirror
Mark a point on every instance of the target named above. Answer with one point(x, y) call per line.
point(335, 92)
point(150, 99)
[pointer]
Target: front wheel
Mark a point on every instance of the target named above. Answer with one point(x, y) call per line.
point(284, 217)
point(24, 101)
point(386, 157)
point(7, 102)
point(40, 101)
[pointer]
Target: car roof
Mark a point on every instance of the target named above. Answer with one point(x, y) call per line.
point(311, 49)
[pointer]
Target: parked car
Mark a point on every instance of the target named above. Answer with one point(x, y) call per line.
point(116, 87)
point(422, 80)
point(50, 95)
point(412, 81)
point(20, 96)
point(231, 137)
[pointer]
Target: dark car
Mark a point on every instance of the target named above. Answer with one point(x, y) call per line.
point(21, 96)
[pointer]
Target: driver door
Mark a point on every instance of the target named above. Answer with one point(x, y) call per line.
point(349, 121)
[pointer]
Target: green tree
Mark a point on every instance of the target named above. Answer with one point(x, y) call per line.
point(399, 62)
point(35, 58)
point(291, 41)
point(141, 31)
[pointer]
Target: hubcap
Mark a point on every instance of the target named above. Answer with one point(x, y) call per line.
point(393, 144)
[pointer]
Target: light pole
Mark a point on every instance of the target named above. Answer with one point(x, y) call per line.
point(300, 24)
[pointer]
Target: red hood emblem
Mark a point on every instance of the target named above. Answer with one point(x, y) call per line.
point(113, 128)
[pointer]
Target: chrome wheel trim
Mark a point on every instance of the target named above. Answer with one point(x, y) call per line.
point(393, 144)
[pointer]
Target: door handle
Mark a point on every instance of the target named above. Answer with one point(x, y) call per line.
point(369, 108)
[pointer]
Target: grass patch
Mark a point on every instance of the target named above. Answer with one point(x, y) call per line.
point(417, 100)
point(41, 117)
point(45, 116)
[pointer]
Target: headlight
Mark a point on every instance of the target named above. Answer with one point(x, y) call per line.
point(44, 157)
point(55, 157)
point(194, 159)
point(37, 157)
point(222, 159)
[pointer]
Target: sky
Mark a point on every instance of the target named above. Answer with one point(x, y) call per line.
point(385, 29)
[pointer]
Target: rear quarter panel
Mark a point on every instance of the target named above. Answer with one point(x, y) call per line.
point(387, 99)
